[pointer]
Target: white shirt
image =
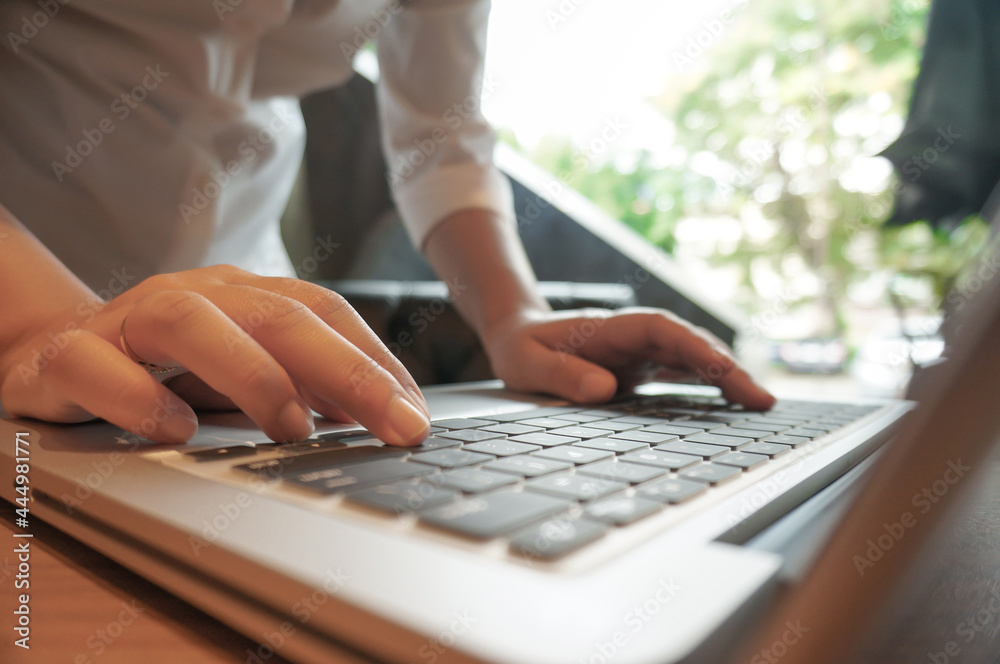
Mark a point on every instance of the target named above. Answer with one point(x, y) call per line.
point(157, 136)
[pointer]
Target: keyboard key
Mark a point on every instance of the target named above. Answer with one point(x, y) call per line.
point(740, 433)
point(763, 426)
point(671, 490)
point(434, 443)
point(544, 422)
point(348, 437)
point(533, 413)
point(661, 459)
point(621, 471)
point(613, 445)
point(295, 465)
point(526, 466)
point(574, 454)
point(642, 436)
point(222, 453)
point(543, 439)
point(641, 420)
point(805, 432)
point(770, 449)
point(470, 435)
point(578, 432)
point(501, 447)
point(821, 426)
point(702, 450)
point(673, 429)
point(557, 537)
point(494, 514)
point(402, 497)
point(512, 428)
point(722, 418)
point(334, 480)
point(578, 487)
point(709, 472)
point(700, 424)
point(579, 418)
point(451, 458)
point(716, 439)
point(463, 423)
point(788, 420)
point(744, 460)
point(622, 510)
point(471, 480)
point(615, 425)
point(785, 439)
point(604, 412)
point(310, 445)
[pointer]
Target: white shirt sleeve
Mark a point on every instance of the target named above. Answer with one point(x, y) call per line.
point(438, 145)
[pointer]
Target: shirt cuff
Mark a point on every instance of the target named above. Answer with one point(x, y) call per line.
point(427, 200)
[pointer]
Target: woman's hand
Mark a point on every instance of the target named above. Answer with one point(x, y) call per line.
point(587, 355)
point(271, 347)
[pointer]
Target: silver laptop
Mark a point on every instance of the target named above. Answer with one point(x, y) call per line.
point(653, 529)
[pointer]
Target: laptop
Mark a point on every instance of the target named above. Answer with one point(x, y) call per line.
point(662, 527)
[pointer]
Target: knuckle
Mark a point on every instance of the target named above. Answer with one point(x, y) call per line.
point(330, 306)
point(163, 282)
point(227, 273)
point(286, 314)
point(175, 308)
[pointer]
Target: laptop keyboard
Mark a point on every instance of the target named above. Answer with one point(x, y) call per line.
point(549, 480)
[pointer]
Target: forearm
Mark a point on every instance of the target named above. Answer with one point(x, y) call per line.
point(480, 257)
point(37, 288)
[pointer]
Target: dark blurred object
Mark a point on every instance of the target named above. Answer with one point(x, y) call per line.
point(401, 311)
point(948, 155)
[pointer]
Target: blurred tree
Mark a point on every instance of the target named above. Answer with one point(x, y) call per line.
point(780, 107)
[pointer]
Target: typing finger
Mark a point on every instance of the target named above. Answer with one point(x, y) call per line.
point(181, 327)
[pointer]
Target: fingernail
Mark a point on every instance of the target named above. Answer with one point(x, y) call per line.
point(180, 425)
point(596, 387)
point(407, 421)
point(296, 420)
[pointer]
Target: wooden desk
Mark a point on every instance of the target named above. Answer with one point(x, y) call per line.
point(81, 602)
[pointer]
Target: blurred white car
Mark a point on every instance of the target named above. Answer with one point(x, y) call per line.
point(885, 361)
point(813, 355)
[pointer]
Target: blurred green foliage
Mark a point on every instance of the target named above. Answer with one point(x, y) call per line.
point(778, 117)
